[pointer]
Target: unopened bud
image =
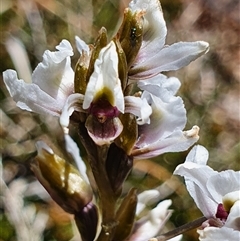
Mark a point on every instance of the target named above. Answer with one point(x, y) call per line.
point(81, 70)
point(62, 181)
point(128, 136)
point(131, 34)
point(125, 216)
point(98, 45)
point(87, 222)
point(118, 166)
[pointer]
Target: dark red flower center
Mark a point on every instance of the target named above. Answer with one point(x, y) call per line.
point(221, 212)
point(103, 110)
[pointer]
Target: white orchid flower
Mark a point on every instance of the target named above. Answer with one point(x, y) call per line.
point(52, 83)
point(154, 56)
point(52, 91)
point(168, 118)
point(217, 195)
point(103, 100)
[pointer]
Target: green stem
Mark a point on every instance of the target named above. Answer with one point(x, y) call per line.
point(106, 195)
point(97, 157)
point(182, 229)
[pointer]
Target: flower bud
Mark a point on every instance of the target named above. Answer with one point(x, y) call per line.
point(131, 34)
point(98, 45)
point(118, 166)
point(126, 215)
point(81, 70)
point(62, 181)
point(87, 222)
point(122, 64)
point(128, 136)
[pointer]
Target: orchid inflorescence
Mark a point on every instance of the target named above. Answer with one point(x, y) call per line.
point(124, 109)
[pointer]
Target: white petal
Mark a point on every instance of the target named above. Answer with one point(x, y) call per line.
point(169, 58)
point(81, 45)
point(201, 197)
point(219, 234)
point(164, 120)
point(196, 177)
point(74, 102)
point(145, 198)
point(29, 96)
point(54, 74)
point(198, 155)
point(176, 142)
point(139, 107)
point(223, 183)
point(160, 86)
point(152, 223)
point(73, 149)
point(105, 76)
point(234, 217)
point(230, 198)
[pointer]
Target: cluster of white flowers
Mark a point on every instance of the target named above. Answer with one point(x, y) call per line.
point(160, 115)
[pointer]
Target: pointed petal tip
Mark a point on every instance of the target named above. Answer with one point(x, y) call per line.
point(41, 145)
point(81, 45)
point(205, 46)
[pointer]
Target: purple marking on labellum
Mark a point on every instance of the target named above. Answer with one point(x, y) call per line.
point(103, 110)
point(221, 212)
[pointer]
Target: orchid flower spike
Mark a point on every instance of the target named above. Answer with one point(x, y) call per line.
point(103, 101)
point(99, 88)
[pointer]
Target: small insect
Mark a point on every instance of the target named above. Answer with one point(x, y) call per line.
point(133, 36)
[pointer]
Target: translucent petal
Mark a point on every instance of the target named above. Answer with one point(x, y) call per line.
point(104, 79)
point(148, 226)
point(233, 220)
point(54, 74)
point(222, 183)
point(160, 86)
point(29, 96)
point(176, 142)
point(198, 155)
point(74, 102)
point(171, 57)
point(196, 177)
point(166, 118)
point(139, 107)
point(145, 198)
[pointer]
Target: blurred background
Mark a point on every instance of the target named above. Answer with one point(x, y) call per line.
point(210, 90)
